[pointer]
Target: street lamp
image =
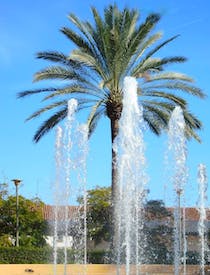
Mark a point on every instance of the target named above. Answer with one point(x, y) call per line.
point(17, 183)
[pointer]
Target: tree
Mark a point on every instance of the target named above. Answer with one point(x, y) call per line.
point(158, 232)
point(99, 214)
point(114, 46)
point(33, 227)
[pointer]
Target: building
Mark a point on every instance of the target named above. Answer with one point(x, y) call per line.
point(65, 216)
point(192, 217)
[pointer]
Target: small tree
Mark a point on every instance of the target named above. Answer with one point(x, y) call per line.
point(99, 214)
point(33, 227)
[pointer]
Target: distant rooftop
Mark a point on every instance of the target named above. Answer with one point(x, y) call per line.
point(191, 213)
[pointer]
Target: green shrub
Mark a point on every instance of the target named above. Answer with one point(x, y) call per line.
point(98, 257)
point(33, 255)
point(25, 255)
point(193, 257)
point(5, 240)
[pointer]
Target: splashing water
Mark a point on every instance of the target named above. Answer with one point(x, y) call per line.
point(178, 151)
point(56, 191)
point(81, 234)
point(129, 147)
point(202, 180)
point(69, 163)
point(72, 106)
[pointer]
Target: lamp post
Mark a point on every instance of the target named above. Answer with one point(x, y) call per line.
point(17, 183)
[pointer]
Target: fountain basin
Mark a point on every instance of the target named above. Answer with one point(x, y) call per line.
point(92, 269)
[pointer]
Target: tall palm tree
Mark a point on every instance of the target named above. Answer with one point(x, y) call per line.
point(113, 46)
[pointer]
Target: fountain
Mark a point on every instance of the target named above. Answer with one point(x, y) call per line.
point(129, 147)
point(56, 192)
point(202, 180)
point(70, 163)
point(132, 181)
point(178, 151)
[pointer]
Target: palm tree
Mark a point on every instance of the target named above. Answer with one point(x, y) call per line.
point(114, 46)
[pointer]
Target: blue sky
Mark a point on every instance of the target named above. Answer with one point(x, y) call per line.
point(27, 27)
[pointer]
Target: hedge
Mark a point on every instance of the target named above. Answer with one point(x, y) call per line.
point(25, 255)
point(33, 255)
point(99, 257)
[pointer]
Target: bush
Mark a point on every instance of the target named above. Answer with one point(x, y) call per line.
point(33, 255)
point(192, 257)
point(25, 255)
point(6, 240)
point(98, 257)
point(61, 256)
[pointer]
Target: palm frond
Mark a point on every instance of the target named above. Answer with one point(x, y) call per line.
point(47, 108)
point(93, 112)
point(177, 85)
point(92, 42)
point(169, 76)
point(155, 64)
point(37, 91)
point(59, 57)
point(59, 73)
point(88, 60)
point(192, 120)
point(76, 89)
point(77, 39)
point(94, 118)
point(171, 97)
point(50, 124)
point(159, 114)
point(148, 42)
point(189, 132)
point(158, 47)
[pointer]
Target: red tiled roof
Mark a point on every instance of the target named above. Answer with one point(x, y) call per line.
point(192, 213)
point(48, 211)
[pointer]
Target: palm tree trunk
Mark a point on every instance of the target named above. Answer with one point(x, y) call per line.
point(114, 133)
point(114, 187)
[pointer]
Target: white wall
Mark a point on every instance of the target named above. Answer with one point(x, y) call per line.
point(61, 241)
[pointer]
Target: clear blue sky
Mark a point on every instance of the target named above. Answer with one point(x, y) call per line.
point(27, 27)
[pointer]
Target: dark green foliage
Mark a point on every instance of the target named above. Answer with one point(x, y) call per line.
point(192, 257)
point(5, 240)
point(32, 226)
point(98, 257)
point(158, 232)
point(60, 256)
point(99, 214)
point(23, 255)
point(32, 255)
point(159, 244)
point(156, 209)
point(44, 255)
